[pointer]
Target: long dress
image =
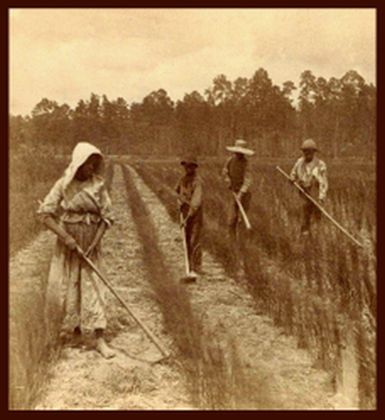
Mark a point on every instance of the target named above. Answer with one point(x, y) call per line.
point(75, 295)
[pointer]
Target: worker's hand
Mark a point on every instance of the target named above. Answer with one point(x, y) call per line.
point(239, 195)
point(182, 202)
point(189, 214)
point(90, 249)
point(70, 242)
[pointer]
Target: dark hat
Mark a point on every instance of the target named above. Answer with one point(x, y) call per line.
point(190, 160)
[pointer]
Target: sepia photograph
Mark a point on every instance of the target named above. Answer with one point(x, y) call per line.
point(192, 209)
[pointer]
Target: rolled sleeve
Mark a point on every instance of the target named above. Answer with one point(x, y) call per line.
point(196, 198)
point(225, 172)
point(51, 204)
point(106, 211)
point(247, 181)
point(293, 173)
point(322, 180)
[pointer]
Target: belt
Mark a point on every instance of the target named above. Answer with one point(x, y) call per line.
point(73, 217)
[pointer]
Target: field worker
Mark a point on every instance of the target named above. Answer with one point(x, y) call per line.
point(189, 190)
point(310, 173)
point(237, 176)
point(78, 210)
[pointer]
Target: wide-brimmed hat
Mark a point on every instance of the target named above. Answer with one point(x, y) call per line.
point(309, 144)
point(240, 146)
point(189, 160)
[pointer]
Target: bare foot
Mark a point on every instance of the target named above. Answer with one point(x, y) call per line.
point(103, 349)
point(77, 339)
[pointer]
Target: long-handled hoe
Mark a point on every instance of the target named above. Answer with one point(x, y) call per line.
point(323, 211)
point(189, 277)
point(243, 213)
point(165, 354)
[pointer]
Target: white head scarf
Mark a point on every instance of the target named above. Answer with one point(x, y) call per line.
point(80, 154)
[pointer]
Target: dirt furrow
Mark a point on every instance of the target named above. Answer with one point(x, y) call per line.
point(230, 311)
point(82, 379)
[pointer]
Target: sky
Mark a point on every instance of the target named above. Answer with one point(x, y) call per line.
point(65, 54)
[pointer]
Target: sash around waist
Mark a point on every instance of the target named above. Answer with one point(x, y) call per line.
point(73, 217)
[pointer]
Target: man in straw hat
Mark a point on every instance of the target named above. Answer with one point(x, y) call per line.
point(189, 189)
point(237, 176)
point(311, 174)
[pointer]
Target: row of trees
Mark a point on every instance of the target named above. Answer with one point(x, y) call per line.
point(339, 113)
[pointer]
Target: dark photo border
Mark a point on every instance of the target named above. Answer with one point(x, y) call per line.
point(192, 4)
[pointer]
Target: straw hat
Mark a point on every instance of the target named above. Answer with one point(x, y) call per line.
point(240, 146)
point(192, 160)
point(309, 144)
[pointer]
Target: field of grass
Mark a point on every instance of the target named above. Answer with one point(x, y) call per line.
point(30, 181)
point(31, 349)
point(319, 290)
point(30, 178)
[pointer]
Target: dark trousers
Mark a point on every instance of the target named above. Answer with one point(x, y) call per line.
point(193, 231)
point(311, 215)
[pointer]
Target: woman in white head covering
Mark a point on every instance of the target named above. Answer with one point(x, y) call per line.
point(78, 210)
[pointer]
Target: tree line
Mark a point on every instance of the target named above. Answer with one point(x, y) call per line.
point(340, 114)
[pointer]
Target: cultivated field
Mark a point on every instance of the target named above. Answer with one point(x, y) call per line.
point(322, 290)
point(296, 331)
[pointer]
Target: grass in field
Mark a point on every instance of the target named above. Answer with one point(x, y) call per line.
point(316, 289)
point(215, 382)
point(30, 178)
point(31, 348)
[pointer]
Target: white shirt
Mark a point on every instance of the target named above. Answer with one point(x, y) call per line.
point(311, 174)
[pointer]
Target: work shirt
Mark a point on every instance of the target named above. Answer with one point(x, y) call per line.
point(190, 191)
point(81, 202)
point(237, 174)
point(311, 175)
